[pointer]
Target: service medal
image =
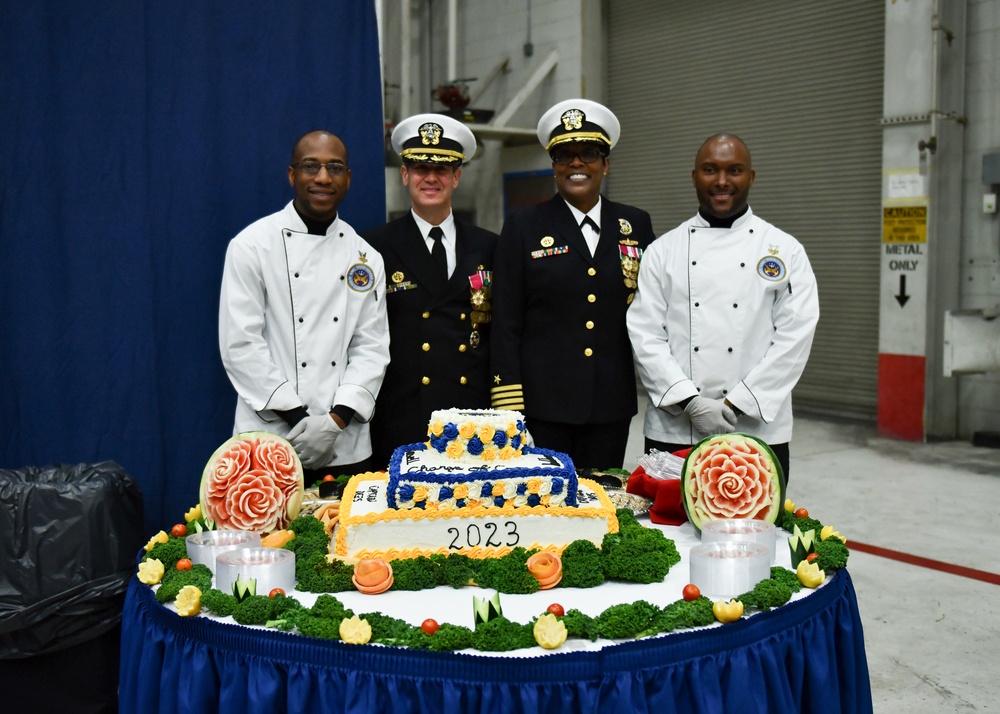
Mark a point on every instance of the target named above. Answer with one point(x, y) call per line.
point(548, 241)
point(397, 277)
point(626, 227)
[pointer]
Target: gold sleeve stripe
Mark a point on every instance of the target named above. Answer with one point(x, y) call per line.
point(507, 388)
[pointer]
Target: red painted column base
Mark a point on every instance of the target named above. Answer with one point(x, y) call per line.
point(901, 380)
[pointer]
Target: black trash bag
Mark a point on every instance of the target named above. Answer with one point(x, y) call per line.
point(67, 551)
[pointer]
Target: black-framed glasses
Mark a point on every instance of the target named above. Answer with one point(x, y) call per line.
point(565, 156)
point(312, 168)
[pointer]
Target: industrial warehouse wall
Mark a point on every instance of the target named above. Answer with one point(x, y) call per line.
point(979, 395)
point(801, 83)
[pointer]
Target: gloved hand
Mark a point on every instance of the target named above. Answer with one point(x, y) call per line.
point(711, 416)
point(314, 439)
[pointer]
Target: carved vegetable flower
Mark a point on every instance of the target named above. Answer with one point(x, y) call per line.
point(727, 611)
point(809, 574)
point(188, 601)
point(546, 568)
point(150, 571)
point(193, 513)
point(372, 576)
point(828, 532)
point(160, 537)
point(549, 631)
point(355, 631)
point(789, 505)
point(253, 482)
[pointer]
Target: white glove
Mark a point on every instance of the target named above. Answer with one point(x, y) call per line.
point(711, 416)
point(314, 439)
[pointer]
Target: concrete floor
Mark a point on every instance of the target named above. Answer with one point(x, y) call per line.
point(932, 637)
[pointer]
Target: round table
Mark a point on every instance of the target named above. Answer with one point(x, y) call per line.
point(807, 656)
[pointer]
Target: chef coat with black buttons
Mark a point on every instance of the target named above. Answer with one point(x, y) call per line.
point(302, 322)
point(723, 313)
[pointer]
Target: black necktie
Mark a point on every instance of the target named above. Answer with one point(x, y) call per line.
point(588, 221)
point(438, 254)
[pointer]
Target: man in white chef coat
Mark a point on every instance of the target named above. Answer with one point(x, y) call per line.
point(724, 316)
point(302, 320)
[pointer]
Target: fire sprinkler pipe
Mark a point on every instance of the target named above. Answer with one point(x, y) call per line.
point(405, 50)
point(452, 40)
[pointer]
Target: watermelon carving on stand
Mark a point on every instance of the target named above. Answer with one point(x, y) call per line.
point(731, 476)
point(253, 482)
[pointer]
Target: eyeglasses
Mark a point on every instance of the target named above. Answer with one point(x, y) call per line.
point(565, 156)
point(312, 168)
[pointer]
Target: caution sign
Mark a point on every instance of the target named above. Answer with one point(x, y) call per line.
point(903, 293)
point(904, 224)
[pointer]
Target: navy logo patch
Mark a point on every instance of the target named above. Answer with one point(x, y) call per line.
point(361, 278)
point(771, 267)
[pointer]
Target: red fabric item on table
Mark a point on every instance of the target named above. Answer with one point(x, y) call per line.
point(668, 506)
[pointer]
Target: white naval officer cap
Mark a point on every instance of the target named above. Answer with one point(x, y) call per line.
point(433, 139)
point(578, 120)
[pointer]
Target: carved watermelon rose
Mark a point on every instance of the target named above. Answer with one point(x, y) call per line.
point(253, 482)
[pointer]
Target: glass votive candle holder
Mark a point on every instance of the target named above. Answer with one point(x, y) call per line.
point(203, 548)
point(729, 568)
point(270, 567)
point(740, 529)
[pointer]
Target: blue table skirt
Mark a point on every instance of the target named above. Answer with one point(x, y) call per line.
point(807, 656)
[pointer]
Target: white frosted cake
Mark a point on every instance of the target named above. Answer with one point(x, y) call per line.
point(473, 488)
point(369, 528)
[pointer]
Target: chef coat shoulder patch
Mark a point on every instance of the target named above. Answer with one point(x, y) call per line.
point(772, 268)
point(360, 276)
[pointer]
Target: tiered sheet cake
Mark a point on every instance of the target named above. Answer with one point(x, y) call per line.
point(473, 488)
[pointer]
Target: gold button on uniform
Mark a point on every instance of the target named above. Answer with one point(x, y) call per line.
point(592, 298)
point(462, 347)
point(425, 315)
point(590, 324)
point(462, 316)
point(591, 272)
point(588, 352)
point(463, 380)
point(426, 347)
point(425, 380)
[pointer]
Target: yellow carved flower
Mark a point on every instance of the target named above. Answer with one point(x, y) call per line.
point(355, 631)
point(193, 513)
point(455, 449)
point(789, 505)
point(188, 601)
point(150, 571)
point(549, 631)
point(467, 430)
point(828, 531)
point(498, 489)
point(489, 453)
point(160, 537)
point(420, 494)
point(511, 430)
point(437, 428)
point(486, 433)
point(506, 453)
point(534, 485)
point(461, 491)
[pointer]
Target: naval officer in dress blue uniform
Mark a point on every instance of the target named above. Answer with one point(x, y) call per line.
point(565, 274)
point(438, 282)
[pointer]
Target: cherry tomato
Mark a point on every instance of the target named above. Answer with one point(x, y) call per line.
point(329, 477)
point(801, 513)
point(691, 592)
point(430, 626)
point(179, 531)
point(184, 564)
point(276, 592)
point(556, 609)
point(811, 557)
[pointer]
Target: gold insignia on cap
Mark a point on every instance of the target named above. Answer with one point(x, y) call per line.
point(430, 134)
point(397, 277)
point(548, 241)
point(572, 119)
point(625, 226)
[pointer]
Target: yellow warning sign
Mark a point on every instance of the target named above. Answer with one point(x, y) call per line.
point(904, 224)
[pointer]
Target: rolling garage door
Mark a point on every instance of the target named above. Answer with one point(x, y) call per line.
point(801, 83)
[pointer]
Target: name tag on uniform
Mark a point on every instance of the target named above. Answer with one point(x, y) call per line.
point(536, 254)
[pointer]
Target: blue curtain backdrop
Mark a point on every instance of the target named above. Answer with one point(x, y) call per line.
point(137, 139)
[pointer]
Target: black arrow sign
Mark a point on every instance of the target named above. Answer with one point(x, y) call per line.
point(902, 297)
